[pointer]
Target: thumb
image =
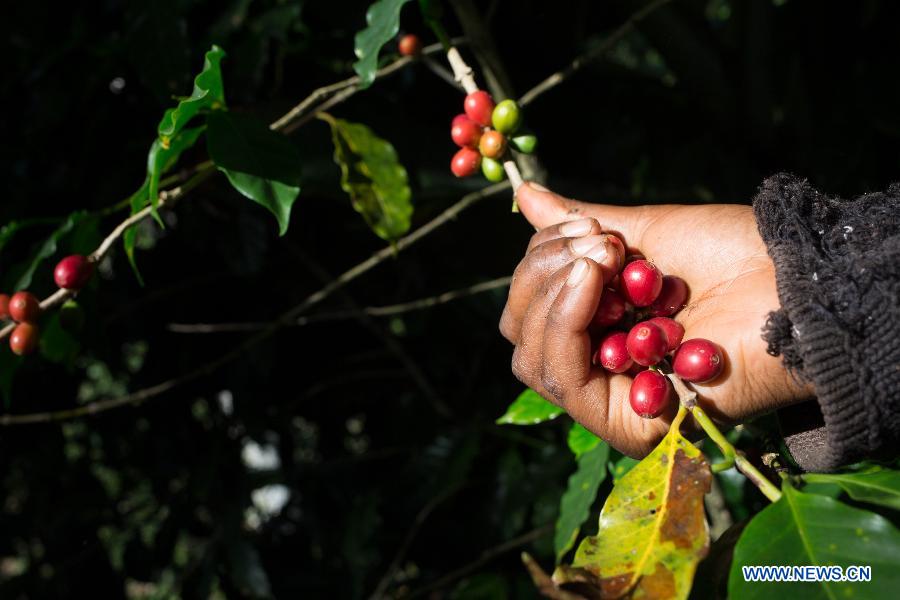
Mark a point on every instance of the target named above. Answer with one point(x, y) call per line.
point(543, 208)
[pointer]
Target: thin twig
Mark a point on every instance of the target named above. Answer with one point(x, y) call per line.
point(284, 320)
point(581, 61)
point(420, 519)
point(416, 372)
point(439, 70)
point(322, 93)
point(485, 557)
point(342, 315)
point(688, 399)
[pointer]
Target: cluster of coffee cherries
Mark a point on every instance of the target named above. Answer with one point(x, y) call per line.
point(484, 133)
point(639, 337)
point(71, 273)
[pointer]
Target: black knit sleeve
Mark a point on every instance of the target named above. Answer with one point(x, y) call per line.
point(837, 265)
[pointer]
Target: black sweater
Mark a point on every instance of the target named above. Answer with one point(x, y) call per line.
point(837, 265)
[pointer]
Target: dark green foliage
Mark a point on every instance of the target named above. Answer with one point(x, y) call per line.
point(172, 497)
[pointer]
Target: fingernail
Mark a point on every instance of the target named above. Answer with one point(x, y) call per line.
point(582, 245)
point(599, 252)
point(537, 186)
point(579, 270)
point(576, 228)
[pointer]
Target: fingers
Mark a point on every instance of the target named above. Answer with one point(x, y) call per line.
point(567, 229)
point(528, 356)
point(554, 358)
point(543, 208)
point(549, 257)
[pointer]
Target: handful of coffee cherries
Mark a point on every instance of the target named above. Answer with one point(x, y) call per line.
point(642, 349)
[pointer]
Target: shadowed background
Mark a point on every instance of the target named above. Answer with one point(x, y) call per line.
point(297, 471)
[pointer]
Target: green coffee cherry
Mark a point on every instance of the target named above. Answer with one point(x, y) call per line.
point(506, 117)
point(492, 169)
point(524, 143)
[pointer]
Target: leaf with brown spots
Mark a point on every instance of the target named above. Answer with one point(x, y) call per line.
point(653, 529)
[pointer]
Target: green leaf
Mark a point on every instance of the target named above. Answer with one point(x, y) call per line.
point(261, 164)
point(880, 487)
point(652, 530)
point(208, 94)
point(24, 273)
point(808, 529)
point(161, 158)
point(529, 409)
point(160, 161)
point(374, 178)
point(580, 495)
point(581, 440)
point(383, 20)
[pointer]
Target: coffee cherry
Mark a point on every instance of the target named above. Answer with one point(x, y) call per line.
point(612, 354)
point(24, 307)
point(610, 310)
point(465, 162)
point(641, 282)
point(647, 343)
point(479, 106)
point(492, 169)
point(23, 339)
point(465, 132)
point(4, 306)
point(506, 117)
point(698, 361)
point(650, 394)
point(73, 272)
point(71, 316)
point(525, 144)
point(492, 144)
point(673, 329)
point(671, 297)
point(410, 45)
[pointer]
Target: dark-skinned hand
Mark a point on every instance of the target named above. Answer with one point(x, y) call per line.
point(715, 248)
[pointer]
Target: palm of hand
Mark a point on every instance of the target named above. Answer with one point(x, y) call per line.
point(718, 251)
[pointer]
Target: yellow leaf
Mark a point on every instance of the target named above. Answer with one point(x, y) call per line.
point(652, 531)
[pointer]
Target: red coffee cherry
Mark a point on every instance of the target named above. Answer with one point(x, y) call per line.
point(24, 307)
point(698, 361)
point(4, 306)
point(466, 162)
point(410, 45)
point(479, 106)
point(610, 310)
point(641, 282)
point(647, 343)
point(673, 329)
point(612, 354)
point(24, 339)
point(465, 132)
point(671, 297)
point(492, 144)
point(650, 394)
point(73, 272)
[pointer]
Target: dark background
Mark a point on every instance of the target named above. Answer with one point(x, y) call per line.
point(707, 100)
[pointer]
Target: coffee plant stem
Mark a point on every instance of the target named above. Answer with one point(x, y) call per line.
point(688, 399)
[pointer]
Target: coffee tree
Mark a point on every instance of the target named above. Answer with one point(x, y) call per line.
point(653, 537)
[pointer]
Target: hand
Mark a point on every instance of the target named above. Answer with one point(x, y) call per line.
point(716, 249)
